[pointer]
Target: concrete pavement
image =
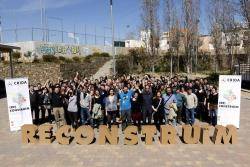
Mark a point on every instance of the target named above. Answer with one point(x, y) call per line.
point(14, 153)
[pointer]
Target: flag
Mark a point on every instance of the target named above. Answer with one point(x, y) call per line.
point(111, 2)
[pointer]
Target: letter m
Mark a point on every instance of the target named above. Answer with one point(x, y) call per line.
point(225, 135)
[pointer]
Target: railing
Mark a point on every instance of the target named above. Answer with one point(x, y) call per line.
point(243, 70)
point(55, 35)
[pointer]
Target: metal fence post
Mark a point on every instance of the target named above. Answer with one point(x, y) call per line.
point(32, 35)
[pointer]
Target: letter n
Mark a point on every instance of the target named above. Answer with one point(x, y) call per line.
point(110, 135)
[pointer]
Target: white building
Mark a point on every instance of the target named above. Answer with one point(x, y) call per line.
point(164, 43)
point(134, 43)
point(144, 41)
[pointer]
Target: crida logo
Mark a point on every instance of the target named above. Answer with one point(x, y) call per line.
point(233, 80)
point(20, 82)
point(17, 83)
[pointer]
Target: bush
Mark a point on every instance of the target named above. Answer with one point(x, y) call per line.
point(16, 55)
point(6, 62)
point(68, 60)
point(50, 58)
point(96, 54)
point(76, 59)
point(124, 64)
point(36, 60)
point(213, 78)
point(104, 54)
point(28, 54)
point(62, 58)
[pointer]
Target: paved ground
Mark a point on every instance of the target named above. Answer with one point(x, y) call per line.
point(105, 70)
point(13, 153)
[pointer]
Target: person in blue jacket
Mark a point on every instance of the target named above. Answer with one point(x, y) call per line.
point(125, 97)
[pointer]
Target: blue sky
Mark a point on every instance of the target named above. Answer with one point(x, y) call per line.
point(93, 13)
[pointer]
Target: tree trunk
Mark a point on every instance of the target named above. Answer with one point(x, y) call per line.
point(178, 60)
point(171, 65)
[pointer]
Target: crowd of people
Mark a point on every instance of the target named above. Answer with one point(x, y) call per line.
point(125, 100)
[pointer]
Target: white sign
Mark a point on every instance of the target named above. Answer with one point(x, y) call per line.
point(18, 99)
point(229, 100)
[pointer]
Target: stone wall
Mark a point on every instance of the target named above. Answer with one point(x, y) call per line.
point(40, 72)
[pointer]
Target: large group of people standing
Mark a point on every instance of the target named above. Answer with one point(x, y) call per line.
point(125, 100)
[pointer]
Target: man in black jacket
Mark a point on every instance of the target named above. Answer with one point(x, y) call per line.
point(57, 105)
point(34, 104)
point(147, 97)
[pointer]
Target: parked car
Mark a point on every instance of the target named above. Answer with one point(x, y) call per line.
point(2, 89)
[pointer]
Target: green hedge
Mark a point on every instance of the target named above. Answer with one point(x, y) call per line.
point(62, 59)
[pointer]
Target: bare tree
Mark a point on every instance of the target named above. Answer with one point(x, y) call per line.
point(151, 25)
point(176, 41)
point(172, 26)
point(229, 28)
point(245, 12)
point(216, 31)
point(223, 30)
point(191, 10)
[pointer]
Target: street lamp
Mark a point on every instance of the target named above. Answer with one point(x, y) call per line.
point(0, 30)
point(112, 26)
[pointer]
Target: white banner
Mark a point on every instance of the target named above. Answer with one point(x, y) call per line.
point(18, 99)
point(229, 100)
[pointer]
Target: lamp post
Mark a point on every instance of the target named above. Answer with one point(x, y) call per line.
point(113, 39)
point(0, 29)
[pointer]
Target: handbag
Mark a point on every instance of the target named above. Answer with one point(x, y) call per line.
point(97, 112)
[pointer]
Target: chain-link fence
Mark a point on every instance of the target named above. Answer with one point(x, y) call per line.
point(54, 35)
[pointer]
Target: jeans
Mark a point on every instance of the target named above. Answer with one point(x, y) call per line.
point(45, 108)
point(158, 118)
point(85, 116)
point(73, 119)
point(111, 115)
point(147, 113)
point(165, 117)
point(35, 110)
point(126, 118)
point(201, 111)
point(213, 116)
point(190, 116)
